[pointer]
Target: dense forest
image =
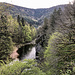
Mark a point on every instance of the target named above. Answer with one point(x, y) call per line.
point(55, 43)
point(13, 31)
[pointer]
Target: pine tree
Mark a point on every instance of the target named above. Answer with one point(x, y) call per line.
point(5, 39)
point(23, 22)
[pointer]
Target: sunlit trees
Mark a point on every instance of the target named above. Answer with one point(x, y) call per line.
point(59, 55)
point(26, 32)
point(28, 67)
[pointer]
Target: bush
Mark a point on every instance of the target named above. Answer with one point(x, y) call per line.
point(27, 67)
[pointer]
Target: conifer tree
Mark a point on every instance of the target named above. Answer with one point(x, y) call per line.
point(5, 39)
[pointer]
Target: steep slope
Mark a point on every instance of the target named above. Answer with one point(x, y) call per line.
point(33, 16)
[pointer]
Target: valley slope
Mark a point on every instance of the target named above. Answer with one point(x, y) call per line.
point(32, 16)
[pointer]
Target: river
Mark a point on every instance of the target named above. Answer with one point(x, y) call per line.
point(31, 54)
point(27, 52)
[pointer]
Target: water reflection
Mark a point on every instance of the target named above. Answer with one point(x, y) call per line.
point(27, 52)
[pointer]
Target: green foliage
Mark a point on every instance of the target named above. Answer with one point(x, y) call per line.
point(50, 54)
point(27, 33)
point(33, 32)
point(13, 32)
point(59, 54)
point(27, 67)
point(6, 44)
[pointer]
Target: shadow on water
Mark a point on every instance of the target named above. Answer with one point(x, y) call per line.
point(24, 50)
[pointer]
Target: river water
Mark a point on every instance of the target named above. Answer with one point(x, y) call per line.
point(31, 54)
point(27, 52)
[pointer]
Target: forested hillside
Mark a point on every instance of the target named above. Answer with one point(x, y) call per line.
point(32, 16)
point(55, 40)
